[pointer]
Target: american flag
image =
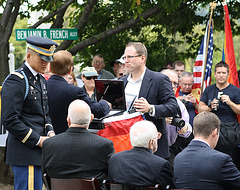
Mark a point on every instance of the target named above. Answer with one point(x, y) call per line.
point(198, 69)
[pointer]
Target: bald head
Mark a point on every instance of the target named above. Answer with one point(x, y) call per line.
point(142, 132)
point(79, 113)
point(170, 73)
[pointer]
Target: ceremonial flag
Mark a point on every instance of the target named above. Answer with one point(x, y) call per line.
point(228, 50)
point(117, 130)
point(198, 69)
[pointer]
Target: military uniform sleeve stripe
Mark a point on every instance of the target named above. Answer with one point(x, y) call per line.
point(27, 136)
point(18, 74)
point(48, 125)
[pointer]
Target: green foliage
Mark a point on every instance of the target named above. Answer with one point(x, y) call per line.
point(20, 46)
point(173, 34)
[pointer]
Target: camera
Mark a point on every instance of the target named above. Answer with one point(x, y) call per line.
point(178, 122)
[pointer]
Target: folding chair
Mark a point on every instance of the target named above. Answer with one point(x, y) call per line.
point(115, 186)
point(75, 184)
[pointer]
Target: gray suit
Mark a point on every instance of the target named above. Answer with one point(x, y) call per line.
point(104, 74)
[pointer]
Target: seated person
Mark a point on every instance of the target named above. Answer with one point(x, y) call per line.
point(199, 166)
point(77, 153)
point(139, 166)
point(89, 74)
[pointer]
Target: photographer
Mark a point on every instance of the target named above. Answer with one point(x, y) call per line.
point(223, 99)
point(179, 125)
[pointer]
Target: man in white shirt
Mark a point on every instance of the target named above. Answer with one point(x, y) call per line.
point(153, 92)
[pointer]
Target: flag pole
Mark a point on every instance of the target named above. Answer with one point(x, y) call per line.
point(213, 6)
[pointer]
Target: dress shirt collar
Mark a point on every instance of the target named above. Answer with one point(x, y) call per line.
point(31, 69)
point(139, 79)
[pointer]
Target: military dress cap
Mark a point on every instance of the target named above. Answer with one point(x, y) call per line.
point(89, 72)
point(42, 46)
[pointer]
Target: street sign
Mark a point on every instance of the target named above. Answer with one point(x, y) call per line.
point(53, 33)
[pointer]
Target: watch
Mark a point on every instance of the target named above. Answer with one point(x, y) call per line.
point(150, 110)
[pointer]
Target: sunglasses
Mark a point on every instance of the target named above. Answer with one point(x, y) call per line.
point(89, 78)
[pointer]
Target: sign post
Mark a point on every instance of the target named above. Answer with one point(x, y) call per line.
point(53, 34)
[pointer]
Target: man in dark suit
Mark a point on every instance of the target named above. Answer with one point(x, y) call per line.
point(139, 166)
point(199, 166)
point(61, 93)
point(153, 92)
point(77, 153)
point(25, 114)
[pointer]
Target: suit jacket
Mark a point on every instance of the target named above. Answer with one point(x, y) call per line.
point(200, 167)
point(139, 167)
point(157, 90)
point(61, 94)
point(106, 74)
point(76, 153)
point(25, 119)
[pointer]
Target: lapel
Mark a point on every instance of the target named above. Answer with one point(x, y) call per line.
point(125, 81)
point(31, 79)
point(146, 84)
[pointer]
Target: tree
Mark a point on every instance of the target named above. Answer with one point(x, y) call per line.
point(106, 26)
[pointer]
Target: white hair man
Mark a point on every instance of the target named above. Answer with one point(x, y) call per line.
point(76, 153)
point(139, 166)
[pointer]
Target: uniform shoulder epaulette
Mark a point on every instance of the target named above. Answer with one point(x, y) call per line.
point(18, 74)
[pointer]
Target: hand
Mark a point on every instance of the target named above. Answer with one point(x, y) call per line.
point(51, 134)
point(226, 99)
point(169, 120)
point(42, 138)
point(183, 130)
point(109, 104)
point(191, 98)
point(142, 105)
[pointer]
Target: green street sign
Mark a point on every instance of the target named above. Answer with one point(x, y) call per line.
point(54, 34)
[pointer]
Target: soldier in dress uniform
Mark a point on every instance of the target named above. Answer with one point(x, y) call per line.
point(25, 114)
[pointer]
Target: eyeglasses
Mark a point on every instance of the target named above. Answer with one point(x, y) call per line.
point(130, 56)
point(89, 78)
point(175, 84)
point(95, 61)
point(120, 74)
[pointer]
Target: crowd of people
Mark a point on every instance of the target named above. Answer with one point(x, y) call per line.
point(177, 144)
